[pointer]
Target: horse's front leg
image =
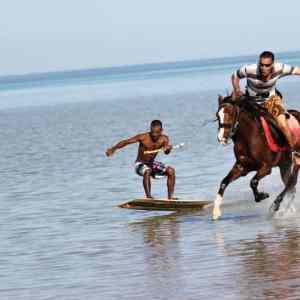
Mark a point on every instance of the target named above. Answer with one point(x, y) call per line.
point(290, 186)
point(237, 171)
point(261, 173)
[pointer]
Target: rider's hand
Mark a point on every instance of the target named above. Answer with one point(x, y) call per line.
point(109, 152)
point(237, 94)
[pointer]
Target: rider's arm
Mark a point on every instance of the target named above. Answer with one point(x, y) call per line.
point(235, 80)
point(123, 143)
point(296, 71)
point(289, 70)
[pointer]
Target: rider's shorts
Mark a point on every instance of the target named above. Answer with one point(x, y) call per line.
point(158, 169)
point(274, 106)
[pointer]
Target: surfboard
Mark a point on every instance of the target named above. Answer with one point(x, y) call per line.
point(165, 204)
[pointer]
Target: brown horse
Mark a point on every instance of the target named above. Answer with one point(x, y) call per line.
point(239, 121)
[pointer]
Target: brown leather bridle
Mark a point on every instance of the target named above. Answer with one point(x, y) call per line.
point(231, 126)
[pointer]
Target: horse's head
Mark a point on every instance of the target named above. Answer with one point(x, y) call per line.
point(227, 116)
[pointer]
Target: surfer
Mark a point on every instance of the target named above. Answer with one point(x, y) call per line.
point(150, 144)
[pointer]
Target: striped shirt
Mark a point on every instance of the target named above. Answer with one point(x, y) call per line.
point(257, 87)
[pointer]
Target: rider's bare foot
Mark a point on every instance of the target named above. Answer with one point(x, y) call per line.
point(173, 198)
point(296, 153)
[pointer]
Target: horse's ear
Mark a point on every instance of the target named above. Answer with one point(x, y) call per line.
point(220, 98)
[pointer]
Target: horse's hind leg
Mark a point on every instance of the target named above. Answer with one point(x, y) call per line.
point(285, 169)
point(290, 186)
point(237, 171)
point(261, 173)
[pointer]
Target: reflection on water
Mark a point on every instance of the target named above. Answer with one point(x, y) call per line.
point(63, 237)
point(263, 266)
point(161, 235)
point(269, 265)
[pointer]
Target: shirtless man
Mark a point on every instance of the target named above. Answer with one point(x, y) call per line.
point(145, 164)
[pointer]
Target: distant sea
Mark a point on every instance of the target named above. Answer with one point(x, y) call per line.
point(63, 236)
point(125, 81)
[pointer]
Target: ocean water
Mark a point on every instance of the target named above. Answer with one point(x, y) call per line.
point(62, 234)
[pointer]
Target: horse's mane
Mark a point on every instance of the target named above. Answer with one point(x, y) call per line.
point(228, 99)
point(247, 104)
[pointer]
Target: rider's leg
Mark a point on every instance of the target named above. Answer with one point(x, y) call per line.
point(283, 125)
point(276, 108)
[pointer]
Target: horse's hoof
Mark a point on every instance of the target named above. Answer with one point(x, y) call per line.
point(216, 214)
point(261, 196)
point(275, 206)
point(215, 218)
point(292, 191)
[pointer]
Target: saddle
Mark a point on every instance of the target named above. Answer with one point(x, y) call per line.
point(278, 136)
point(268, 126)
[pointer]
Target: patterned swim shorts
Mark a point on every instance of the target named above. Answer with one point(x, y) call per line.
point(158, 169)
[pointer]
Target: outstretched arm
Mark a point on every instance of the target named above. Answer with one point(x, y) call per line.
point(123, 143)
point(296, 71)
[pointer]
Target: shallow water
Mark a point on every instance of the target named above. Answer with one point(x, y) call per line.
point(63, 237)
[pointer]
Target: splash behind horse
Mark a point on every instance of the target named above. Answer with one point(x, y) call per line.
point(240, 122)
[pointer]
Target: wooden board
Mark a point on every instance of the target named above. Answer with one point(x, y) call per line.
point(165, 204)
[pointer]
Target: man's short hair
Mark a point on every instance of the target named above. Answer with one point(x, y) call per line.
point(155, 123)
point(267, 54)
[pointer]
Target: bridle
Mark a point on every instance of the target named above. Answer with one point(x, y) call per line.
point(233, 126)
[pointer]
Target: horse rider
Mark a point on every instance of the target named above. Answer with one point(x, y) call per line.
point(261, 82)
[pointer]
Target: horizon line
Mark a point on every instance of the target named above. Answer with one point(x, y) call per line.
point(135, 67)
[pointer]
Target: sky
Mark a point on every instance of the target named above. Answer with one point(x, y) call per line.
point(55, 35)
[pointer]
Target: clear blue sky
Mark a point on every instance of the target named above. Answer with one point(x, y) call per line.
point(49, 35)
